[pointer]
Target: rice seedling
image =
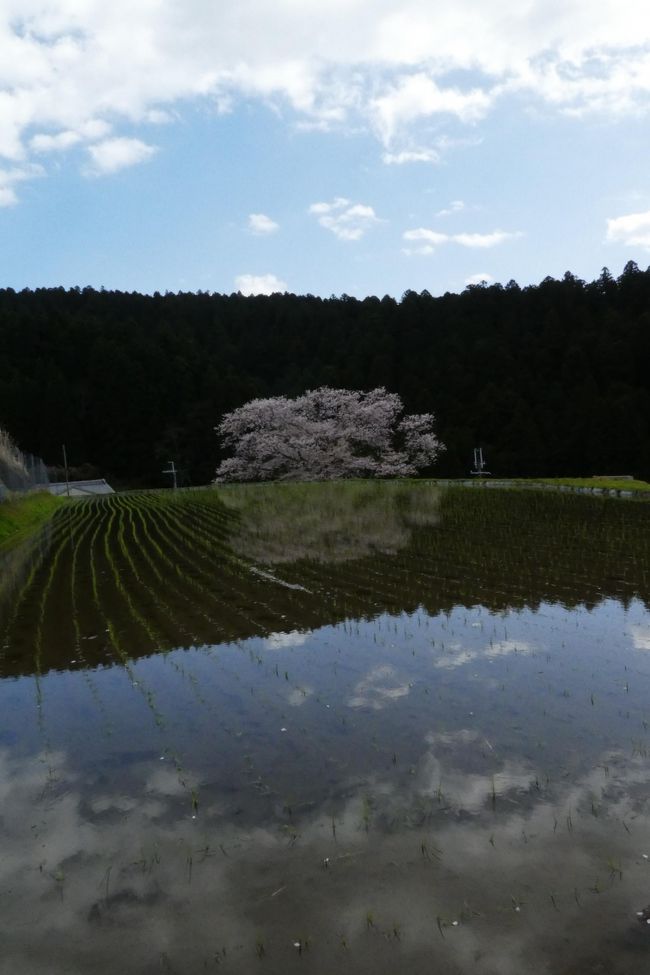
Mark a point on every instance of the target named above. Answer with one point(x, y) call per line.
point(614, 867)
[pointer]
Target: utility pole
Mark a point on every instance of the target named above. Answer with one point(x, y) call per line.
point(65, 467)
point(172, 470)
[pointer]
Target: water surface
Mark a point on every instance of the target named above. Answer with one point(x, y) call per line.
point(298, 727)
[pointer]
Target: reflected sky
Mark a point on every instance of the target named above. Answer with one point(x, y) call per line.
point(463, 784)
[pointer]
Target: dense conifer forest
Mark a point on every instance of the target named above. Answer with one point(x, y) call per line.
point(552, 379)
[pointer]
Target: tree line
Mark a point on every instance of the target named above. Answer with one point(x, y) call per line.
point(549, 379)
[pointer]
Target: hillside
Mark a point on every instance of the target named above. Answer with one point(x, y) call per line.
point(549, 379)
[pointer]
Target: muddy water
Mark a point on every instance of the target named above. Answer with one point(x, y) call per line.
point(295, 728)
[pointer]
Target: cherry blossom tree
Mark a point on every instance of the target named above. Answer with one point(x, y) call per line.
point(326, 434)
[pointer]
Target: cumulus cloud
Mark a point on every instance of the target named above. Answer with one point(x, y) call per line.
point(43, 142)
point(111, 155)
point(393, 69)
point(93, 129)
point(632, 230)
point(428, 239)
point(416, 96)
point(260, 225)
point(346, 220)
point(259, 284)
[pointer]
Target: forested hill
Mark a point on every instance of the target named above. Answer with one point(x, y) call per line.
point(550, 379)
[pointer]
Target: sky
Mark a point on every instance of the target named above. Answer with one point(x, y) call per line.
point(343, 147)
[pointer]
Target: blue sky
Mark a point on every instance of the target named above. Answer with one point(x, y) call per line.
point(350, 147)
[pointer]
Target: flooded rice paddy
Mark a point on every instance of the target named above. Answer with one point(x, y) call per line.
point(301, 728)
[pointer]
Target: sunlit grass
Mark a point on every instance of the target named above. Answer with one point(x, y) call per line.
point(21, 515)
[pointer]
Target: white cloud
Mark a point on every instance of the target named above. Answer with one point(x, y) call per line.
point(259, 284)
point(481, 278)
point(454, 207)
point(485, 240)
point(111, 155)
point(632, 230)
point(157, 116)
point(10, 177)
point(42, 142)
point(416, 96)
point(457, 656)
point(8, 196)
point(640, 636)
point(380, 687)
point(430, 239)
point(347, 62)
point(411, 156)
point(88, 131)
point(260, 225)
point(502, 648)
point(348, 221)
point(280, 640)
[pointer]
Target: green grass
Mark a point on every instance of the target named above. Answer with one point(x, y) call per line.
point(605, 483)
point(20, 516)
point(610, 483)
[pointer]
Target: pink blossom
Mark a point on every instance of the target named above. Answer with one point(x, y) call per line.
point(326, 434)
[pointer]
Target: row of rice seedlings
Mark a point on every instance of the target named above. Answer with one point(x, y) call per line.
point(163, 552)
point(134, 545)
point(18, 561)
point(103, 511)
point(66, 540)
point(130, 666)
point(481, 531)
point(262, 699)
point(210, 528)
point(186, 536)
point(215, 625)
point(591, 528)
point(383, 573)
point(58, 532)
point(429, 563)
point(203, 509)
point(79, 651)
point(321, 580)
point(111, 538)
point(377, 583)
point(135, 614)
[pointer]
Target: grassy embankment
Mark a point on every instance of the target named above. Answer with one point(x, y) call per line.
point(20, 516)
point(606, 483)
